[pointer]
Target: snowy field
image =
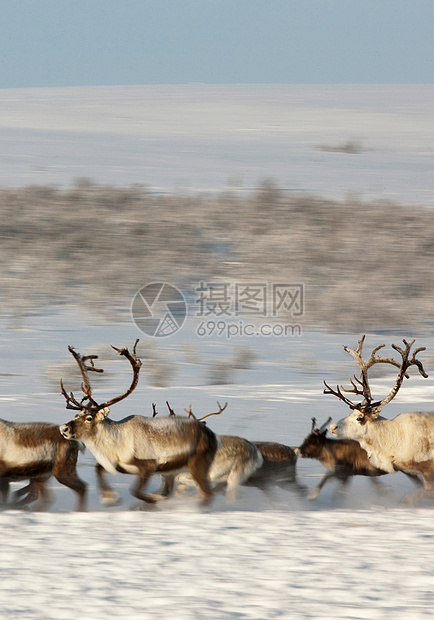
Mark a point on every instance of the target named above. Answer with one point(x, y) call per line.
point(197, 136)
point(361, 554)
point(355, 555)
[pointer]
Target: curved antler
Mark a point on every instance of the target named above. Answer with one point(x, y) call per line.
point(82, 361)
point(338, 394)
point(85, 363)
point(363, 388)
point(221, 409)
point(405, 365)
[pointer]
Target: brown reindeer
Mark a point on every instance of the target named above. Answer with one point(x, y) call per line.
point(34, 451)
point(234, 462)
point(137, 445)
point(344, 458)
point(278, 468)
point(260, 464)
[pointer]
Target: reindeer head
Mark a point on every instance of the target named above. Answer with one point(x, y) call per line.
point(355, 425)
point(312, 446)
point(84, 424)
point(90, 413)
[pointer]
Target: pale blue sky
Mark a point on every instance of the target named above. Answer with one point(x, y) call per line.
point(108, 42)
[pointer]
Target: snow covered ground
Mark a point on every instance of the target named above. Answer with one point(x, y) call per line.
point(354, 555)
point(200, 136)
point(272, 564)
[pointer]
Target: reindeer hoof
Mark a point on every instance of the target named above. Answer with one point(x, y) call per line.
point(313, 494)
point(155, 497)
point(110, 498)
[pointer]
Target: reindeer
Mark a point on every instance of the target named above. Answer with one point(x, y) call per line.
point(35, 451)
point(278, 468)
point(235, 460)
point(344, 458)
point(405, 443)
point(238, 461)
point(137, 445)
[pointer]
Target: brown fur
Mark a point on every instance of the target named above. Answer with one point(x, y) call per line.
point(343, 458)
point(278, 468)
point(40, 451)
point(276, 452)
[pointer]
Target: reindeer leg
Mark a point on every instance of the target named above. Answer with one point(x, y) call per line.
point(344, 484)
point(235, 478)
point(415, 479)
point(64, 470)
point(141, 481)
point(201, 461)
point(106, 494)
point(413, 499)
point(4, 490)
point(184, 483)
point(38, 489)
point(317, 490)
point(293, 486)
point(168, 482)
point(30, 491)
point(199, 465)
point(45, 495)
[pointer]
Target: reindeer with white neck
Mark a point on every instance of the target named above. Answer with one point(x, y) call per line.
point(137, 445)
point(405, 443)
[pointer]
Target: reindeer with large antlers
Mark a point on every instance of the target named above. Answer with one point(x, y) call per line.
point(405, 443)
point(344, 458)
point(137, 445)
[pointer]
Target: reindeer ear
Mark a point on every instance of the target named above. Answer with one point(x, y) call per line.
point(102, 414)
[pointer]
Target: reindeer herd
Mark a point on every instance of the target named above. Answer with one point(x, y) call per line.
point(184, 451)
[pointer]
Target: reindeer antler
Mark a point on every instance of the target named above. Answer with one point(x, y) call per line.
point(190, 413)
point(171, 412)
point(86, 364)
point(338, 394)
point(367, 405)
point(405, 365)
point(71, 401)
point(221, 409)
